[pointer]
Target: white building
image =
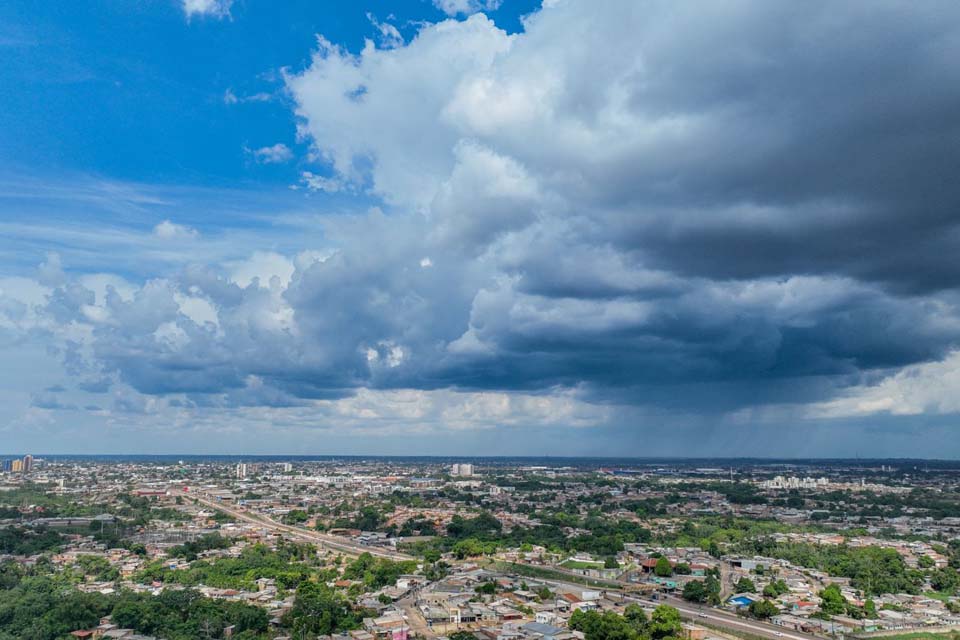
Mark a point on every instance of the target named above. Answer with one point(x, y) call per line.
point(462, 469)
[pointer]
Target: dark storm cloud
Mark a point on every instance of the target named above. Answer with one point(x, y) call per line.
point(710, 206)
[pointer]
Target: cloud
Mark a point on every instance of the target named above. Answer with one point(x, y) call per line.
point(466, 7)
point(171, 231)
point(929, 387)
point(390, 37)
point(229, 97)
point(321, 183)
point(207, 8)
point(275, 154)
point(625, 215)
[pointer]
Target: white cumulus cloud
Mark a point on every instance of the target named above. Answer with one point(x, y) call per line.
point(168, 230)
point(274, 154)
point(211, 8)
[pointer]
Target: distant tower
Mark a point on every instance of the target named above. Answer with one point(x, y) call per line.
point(27, 463)
point(241, 470)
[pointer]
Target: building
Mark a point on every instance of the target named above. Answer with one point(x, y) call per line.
point(27, 463)
point(462, 469)
point(241, 470)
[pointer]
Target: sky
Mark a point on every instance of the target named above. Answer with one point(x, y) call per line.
point(480, 227)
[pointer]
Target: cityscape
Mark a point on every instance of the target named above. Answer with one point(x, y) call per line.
point(480, 320)
point(394, 548)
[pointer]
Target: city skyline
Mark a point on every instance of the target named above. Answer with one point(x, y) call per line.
point(481, 228)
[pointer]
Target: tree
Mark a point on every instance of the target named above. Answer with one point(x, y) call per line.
point(636, 616)
point(664, 623)
point(695, 591)
point(610, 562)
point(870, 609)
point(663, 568)
point(487, 588)
point(745, 585)
point(762, 609)
point(945, 580)
point(775, 589)
point(317, 609)
point(832, 601)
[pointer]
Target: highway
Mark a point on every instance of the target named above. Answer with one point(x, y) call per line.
point(703, 615)
point(337, 543)
point(731, 621)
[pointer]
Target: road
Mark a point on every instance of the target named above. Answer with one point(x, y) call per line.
point(704, 615)
point(418, 625)
point(733, 622)
point(337, 543)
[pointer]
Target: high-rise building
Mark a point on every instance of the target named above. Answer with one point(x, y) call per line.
point(27, 463)
point(17, 466)
point(6, 465)
point(287, 467)
point(241, 470)
point(462, 469)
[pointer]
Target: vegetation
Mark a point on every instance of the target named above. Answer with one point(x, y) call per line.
point(317, 609)
point(23, 541)
point(377, 572)
point(873, 570)
point(745, 585)
point(762, 609)
point(483, 535)
point(40, 608)
point(662, 624)
point(190, 550)
point(286, 566)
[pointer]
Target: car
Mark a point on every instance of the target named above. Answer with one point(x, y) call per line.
point(703, 615)
point(779, 634)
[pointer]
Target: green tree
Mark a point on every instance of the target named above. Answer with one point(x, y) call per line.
point(663, 568)
point(762, 609)
point(745, 585)
point(695, 591)
point(664, 623)
point(832, 601)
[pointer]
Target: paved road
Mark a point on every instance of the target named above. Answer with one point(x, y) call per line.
point(733, 622)
point(705, 615)
point(337, 543)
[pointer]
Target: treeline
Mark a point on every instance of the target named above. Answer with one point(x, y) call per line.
point(190, 550)
point(24, 541)
point(873, 570)
point(41, 608)
point(38, 604)
point(663, 624)
point(377, 572)
point(483, 534)
point(286, 566)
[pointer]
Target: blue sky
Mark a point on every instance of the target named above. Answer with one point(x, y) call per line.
point(136, 91)
point(479, 226)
